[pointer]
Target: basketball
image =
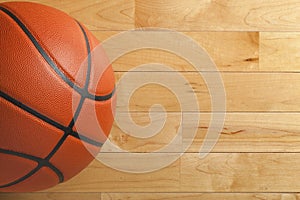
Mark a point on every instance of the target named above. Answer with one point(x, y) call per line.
point(43, 99)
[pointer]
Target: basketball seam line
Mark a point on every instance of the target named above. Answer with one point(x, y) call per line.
point(46, 119)
point(52, 64)
point(41, 163)
point(79, 107)
point(51, 122)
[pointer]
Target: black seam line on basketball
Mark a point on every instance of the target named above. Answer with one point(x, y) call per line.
point(38, 47)
point(76, 114)
point(31, 111)
point(67, 132)
point(87, 78)
point(86, 139)
point(43, 117)
point(23, 177)
point(76, 135)
point(41, 163)
point(57, 146)
point(102, 98)
point(88, 48)
point(87, 94)
point(79, 107)
point(49, 60)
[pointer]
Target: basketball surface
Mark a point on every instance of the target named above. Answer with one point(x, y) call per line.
point(43, 99)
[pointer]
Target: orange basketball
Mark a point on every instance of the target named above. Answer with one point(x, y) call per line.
point(41, 53)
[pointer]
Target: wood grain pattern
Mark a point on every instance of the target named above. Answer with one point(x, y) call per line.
point(150, 196)
point(216, 15)
point(242, 132)
point(218, 172)
point(246, 92)
point(280, 49)
point(229, 15)
point(98, 177)
point(241, 52)
point(231, 51)
point(240, 172)
point(198, 196)
point(50, 196)
point(97, 15)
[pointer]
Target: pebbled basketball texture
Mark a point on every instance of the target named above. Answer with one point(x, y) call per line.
point(46, 68)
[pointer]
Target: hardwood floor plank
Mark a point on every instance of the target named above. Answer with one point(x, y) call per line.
point(242, 132)
point(240, 172)
point(199, 196)
point(218, 172)
point(231, 51)
point(224, 15)
point(98, 177)
point(150, 196)
point(281, 49)
point(245, 92)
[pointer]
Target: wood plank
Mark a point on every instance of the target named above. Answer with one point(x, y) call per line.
point(150, 196)
point(218, 172)
point(255, 132)
point(199, 196)
point(242, 172)
point(97, 15)
point(279, 51)
point(224, 15)
point(242, 132)
point(50, 196)
point(246, 92)
point(231, 51)
point(98, 177)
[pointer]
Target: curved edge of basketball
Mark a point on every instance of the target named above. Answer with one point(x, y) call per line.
point(42, 50)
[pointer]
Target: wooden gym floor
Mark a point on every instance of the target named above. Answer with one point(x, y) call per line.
point(256, 47)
